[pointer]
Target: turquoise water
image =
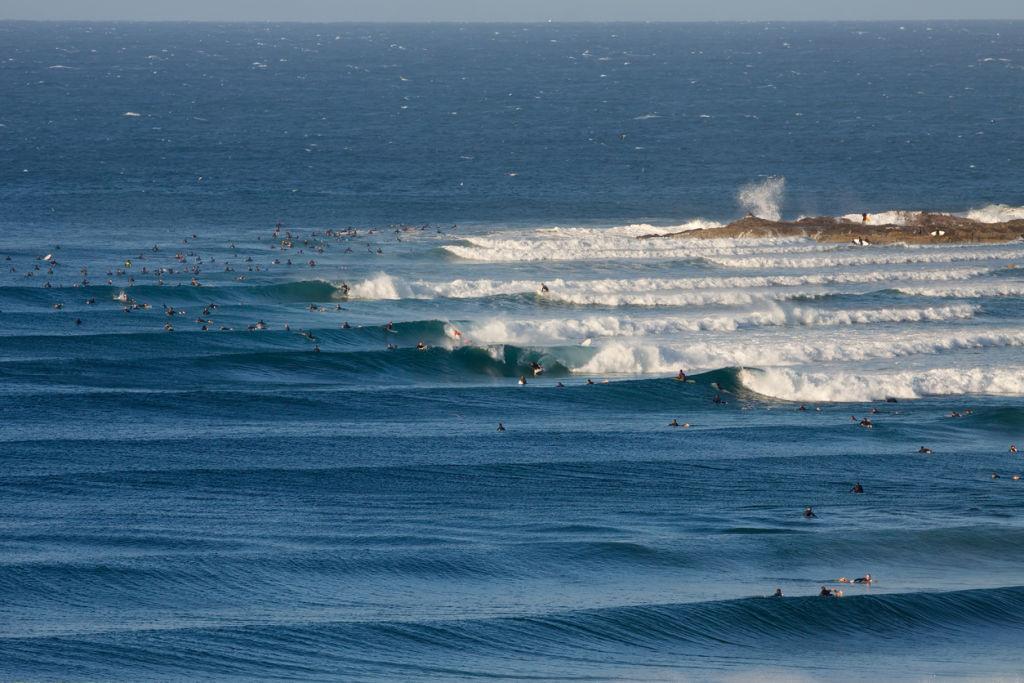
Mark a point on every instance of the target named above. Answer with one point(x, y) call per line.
point(321, 499)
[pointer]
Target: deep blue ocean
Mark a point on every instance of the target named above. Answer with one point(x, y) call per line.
point(268, 291)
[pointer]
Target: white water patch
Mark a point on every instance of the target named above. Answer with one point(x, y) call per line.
point(583, 244)
point(901, 218)
point(763, 199)
point(726, 297)
point(563, 330)
point(973, 292)
point(993, 213)
point(870, 256)
point(839, 387)
point(996, 213)
point(627, 358)
point(383, 286)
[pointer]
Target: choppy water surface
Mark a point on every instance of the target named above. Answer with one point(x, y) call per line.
point(298, 491)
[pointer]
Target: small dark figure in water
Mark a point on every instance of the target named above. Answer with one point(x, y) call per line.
point(825, 593)
point(673, 423)
point(925, 450)
point(866, 423)
point(777, 593)
point(809, 512)
point(857, 488)
point(501, 427)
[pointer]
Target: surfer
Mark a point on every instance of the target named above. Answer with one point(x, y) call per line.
point(501, 427)
point(590, 382)
point(809, 512)
point(864, 579)
point(420, 346)
point(924, 450)
point(537, 368)
point(1013, 448)
point(866, 423)
point(777, 593)
point(825, 593)
point(857, 488)
point(544, 288)
point(522, 379)
point(673, 423)
point(717, 399)
point(681, 376)
point(560, 386)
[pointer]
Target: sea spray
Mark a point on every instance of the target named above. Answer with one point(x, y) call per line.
point(764, 198)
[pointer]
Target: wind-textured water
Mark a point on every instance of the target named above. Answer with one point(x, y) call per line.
point(321, 499)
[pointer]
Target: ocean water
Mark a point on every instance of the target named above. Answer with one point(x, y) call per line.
point(321, 499)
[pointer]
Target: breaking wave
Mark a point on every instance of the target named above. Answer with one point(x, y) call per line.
point(794, 385)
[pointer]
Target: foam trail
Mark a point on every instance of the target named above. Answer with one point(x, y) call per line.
point(793, 385)
point(383, 286)
point(763, 199)
point(561, 330)
point(964, 292)
point(625, 358)
point(872, 257)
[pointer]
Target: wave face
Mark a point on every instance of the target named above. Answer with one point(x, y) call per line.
point(368, 352)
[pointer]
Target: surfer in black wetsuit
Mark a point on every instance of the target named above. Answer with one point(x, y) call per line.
point(543, 288)
point(673, 423)
point(420, 346)
point(925, 450)
point(777, 593)
point(809, 512)
point(501, 427)
point(825, 593)
point(857, 488)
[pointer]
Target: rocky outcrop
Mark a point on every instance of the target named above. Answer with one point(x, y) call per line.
point(919, 228)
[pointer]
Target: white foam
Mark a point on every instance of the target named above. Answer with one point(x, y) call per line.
point(901, 218)
point(608, 326)
point(872, 256)
point(384, 286)
point(974, 292)
point(996, 213)
point(628, 358)
point(793, 385)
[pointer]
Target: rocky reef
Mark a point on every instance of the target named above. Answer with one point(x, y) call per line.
point(916, 228)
